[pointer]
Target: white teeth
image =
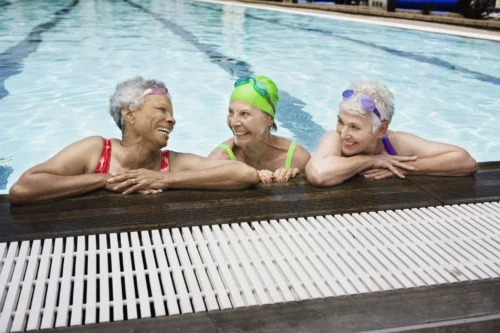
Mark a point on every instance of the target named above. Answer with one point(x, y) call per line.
point(240, 133)
point(164, 129)
point(349, 143)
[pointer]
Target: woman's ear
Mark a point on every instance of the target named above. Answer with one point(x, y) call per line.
point(270, 121)
point(382, 130)
point(128, 116)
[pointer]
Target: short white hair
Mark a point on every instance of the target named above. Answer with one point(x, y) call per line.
point(130, 94)
point(379, 94)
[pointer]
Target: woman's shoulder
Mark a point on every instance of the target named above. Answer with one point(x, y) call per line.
point(300, 155)
point(221, 151)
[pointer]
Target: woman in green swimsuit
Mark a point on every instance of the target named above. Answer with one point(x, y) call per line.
point(252, 109)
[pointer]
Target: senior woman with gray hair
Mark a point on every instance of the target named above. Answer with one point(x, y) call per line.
point(142, 109)
point(363, 144)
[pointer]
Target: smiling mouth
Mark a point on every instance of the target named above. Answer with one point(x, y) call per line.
point(240, 133)
point(349, 143)
point(164, 130)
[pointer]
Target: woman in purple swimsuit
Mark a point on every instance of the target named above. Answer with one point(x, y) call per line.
point(362, 144)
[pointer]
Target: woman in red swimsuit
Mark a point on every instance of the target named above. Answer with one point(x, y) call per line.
point(142, 109)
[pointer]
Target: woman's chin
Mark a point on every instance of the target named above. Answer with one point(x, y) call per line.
point(242, 140)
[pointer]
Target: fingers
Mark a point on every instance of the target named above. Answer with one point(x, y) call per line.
point(283, 175)
point(396, 171)
point(370, 171)
point(150, 191)
point(403, 166)
point(121, 177)
point(385, 174)
point(125, 184)
point(405, 158)
point(266, 176)
point(279, 174)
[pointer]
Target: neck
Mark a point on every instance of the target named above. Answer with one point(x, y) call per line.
point(137, 152)
point(262, 150)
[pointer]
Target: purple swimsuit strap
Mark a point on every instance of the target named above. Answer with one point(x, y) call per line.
point(388, 147)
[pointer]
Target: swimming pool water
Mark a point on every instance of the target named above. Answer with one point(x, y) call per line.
point(60, 61)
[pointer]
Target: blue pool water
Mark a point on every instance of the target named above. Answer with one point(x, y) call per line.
point(60, 61)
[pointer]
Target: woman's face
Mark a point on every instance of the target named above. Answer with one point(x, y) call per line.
point(356, 134)
point(155, 119)
point(247, 122)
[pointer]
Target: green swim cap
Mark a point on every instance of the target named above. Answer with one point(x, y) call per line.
point(247, 93)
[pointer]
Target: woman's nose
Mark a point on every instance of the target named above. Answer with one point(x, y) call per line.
point(345, 132)
point(171, 119)
point(234, 121)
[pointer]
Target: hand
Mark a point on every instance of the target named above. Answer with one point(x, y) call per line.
point(142, 180)
point(282, 175)
point(111, 186)
point(380, 173)
point(393, 163)
point(266, 176)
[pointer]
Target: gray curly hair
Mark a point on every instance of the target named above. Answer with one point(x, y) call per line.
point(130, 94)
point(379, 94)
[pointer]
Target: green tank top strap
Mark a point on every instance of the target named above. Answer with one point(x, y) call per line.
point(228, 150)
point(289, 155)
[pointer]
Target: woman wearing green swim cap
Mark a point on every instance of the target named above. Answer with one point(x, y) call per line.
point(252, 109)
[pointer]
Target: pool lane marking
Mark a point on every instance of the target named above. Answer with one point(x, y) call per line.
point(11, 60)
point(291, 114)
point(408, 55)
point(375, 21)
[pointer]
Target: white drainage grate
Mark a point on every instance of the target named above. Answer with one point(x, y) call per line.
point(101, 278)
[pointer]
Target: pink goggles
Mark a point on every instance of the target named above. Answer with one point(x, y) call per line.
point(155, 90)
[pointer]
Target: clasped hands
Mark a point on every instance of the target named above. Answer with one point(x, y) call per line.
point(386, 166)
point(281, 175)
point(142, 181)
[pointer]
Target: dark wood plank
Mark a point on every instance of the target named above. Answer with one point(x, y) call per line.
point(103, 212)
point(483, 186)
point(394, 311)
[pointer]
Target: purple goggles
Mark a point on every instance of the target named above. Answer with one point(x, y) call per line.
point(365, 102)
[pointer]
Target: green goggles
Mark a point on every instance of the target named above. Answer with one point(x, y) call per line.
point(259, 87)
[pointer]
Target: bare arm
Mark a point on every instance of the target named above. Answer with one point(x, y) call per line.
point(327, 167)
point(189, 171)
point(434, 158)
point(64, 175)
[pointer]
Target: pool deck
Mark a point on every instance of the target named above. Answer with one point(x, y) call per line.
point(459, 307)
point(446, 24)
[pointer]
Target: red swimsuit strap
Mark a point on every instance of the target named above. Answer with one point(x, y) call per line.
point(105, 160)
point(165, 167)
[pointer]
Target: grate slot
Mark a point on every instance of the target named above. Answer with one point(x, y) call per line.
point(34, 318)
point(192, 283)
point(200, 271)
point(224, 268)
point(27, 289)
point(140, 277)
point(156, 290)
point(166, 280)
point(216, 279)
point(180, 286)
